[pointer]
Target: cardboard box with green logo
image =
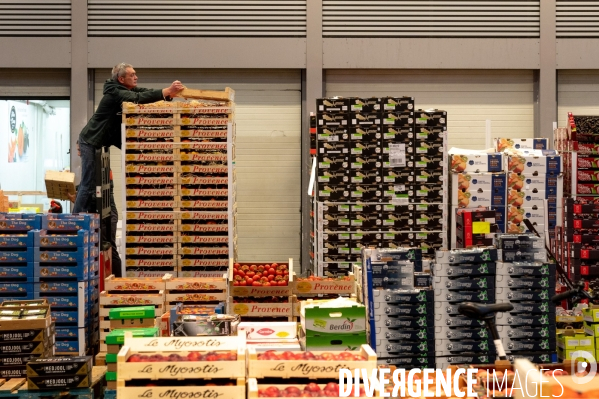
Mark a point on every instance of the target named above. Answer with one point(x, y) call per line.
point(339, 324)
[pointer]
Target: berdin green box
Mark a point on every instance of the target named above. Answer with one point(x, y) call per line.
point(317, 320)
point(117, 337)
point(340, 342)
point(132, 312)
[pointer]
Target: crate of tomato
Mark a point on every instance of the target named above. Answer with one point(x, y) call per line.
point(261, 279)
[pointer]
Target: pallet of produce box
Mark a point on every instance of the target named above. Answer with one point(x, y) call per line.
point(311, 389)
point(314, 285)
point(275, 306)
point(308, 364)
point(182, 358)
point(260, 279)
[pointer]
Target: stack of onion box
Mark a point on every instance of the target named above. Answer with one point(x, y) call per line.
point(60, 373)
point(25, 335)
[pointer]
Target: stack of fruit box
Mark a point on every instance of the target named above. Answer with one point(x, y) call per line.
point(131, 291)
point(115, 341)
point(261, 298)
point(381, 178)
point(16, 255)
point(294, 373)
point(187, 150)
point(24, 335)
point(196, 290)
point(60, 373)
point(67, 274)
point(198, 367)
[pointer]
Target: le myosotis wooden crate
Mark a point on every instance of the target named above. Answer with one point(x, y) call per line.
point(286, 365)
point(182, 358)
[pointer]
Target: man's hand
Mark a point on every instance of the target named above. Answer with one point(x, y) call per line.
point(175, 88)
point(72, 197)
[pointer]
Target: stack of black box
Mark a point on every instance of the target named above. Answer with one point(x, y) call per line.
point(527, 281)
point(400, 308)
point(463, 275)
point(380, 178)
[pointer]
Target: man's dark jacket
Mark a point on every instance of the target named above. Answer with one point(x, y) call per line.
point(104, 127)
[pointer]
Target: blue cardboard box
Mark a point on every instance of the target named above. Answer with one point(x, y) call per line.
point(15, 287)
point(94, 238)
point(66, 332)
point(24, 271)
point(8, 256)
point(43, 239)
point(79, 271)
point(21, 296)
point(65, 317)
point(68, 287)
point(94, 251)
point(55, 223)
point(94, 266)
point(10, 224)
point(12, 241)
point(62, 301)
point(79, 255)
point(72, 346)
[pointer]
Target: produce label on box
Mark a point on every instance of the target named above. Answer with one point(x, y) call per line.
point(263, 309)
point(170, 344)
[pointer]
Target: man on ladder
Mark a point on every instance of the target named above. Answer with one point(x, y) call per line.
point(104, 128)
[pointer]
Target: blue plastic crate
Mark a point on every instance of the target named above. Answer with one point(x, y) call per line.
point(43, 239)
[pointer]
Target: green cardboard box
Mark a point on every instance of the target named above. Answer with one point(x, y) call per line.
point(339, 342)
point(132, 312)
point(575, 341)
point(591, 329)
point(316, 320)
point(591, 314)
point(117, 337)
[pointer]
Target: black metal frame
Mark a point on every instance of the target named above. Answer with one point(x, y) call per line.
point(103, 190)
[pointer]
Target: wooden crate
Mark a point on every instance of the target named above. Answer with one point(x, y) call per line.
point(268, 309)
point(227, 95)
point(229, 392)
point(254, 388)
point(155, 285)
point(309, 368)
point(197, 284)
point(134, 120)
point(132, 299)
point(143, 168)
point(59, 184)
point(260, 291)
point(100, 359)
point(181, 346)
point(313, 288)
point(187, 132)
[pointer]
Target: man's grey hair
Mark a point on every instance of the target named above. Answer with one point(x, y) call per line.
point(120, 70)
